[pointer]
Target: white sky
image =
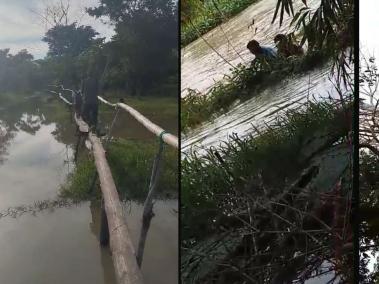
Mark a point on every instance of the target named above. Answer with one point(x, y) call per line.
point(369, 26)
point(20, 28)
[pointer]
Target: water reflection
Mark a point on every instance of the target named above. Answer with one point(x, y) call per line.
point(60, 245)
point(5, 137)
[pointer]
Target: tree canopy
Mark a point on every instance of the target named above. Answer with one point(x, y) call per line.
point(69, 39)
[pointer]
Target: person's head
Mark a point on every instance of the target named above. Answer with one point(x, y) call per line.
point(280, 38)
point(254, 47)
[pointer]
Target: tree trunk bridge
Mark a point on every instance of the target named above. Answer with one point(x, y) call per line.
point(126, 261)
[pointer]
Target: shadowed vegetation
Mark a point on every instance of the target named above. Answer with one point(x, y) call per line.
point(368, 212)
point(253, 202)
point(369, 171)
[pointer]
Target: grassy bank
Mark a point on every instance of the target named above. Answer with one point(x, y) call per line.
point(249, 208)
point(131, 164)
point(244, 83)
point(199, 17)
point(166, 106)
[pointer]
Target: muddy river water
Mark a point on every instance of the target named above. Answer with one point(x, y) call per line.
point(202, 66)
point(60, 245)
point(208, 59)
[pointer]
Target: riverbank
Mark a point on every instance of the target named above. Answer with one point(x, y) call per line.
point(244, 83)
point(253, 202)
point(146, 105)
point(204, 16)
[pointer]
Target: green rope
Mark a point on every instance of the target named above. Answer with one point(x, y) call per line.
point(160, 137)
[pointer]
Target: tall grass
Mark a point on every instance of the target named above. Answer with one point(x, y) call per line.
point(131, 164)
point(231, 226)
point(274, 158)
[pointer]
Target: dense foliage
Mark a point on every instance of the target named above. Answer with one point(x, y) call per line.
point(245, 215)
point(19, 72)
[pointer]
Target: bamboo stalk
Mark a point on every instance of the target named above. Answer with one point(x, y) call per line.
point(152, 127)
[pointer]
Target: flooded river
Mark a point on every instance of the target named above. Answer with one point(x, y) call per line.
point(60, 245)
point(206, 61)
point(202, 67)
point(262, 109)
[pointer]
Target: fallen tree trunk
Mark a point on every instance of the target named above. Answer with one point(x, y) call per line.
point(123, 254)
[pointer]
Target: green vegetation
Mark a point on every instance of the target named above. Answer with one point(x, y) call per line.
point(253, 202)
point(78, 186)
point(131, 163)
point(243, 83)
point(199, 17)
point(165, 106)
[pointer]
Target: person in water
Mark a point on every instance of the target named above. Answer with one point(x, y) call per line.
point(287, 47)
point(261, 51)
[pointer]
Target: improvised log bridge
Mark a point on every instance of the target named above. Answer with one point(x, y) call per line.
point(123, 255)
point(113, 226)
point(164, 137)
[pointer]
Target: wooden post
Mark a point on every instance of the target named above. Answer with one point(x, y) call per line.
point(148, 213)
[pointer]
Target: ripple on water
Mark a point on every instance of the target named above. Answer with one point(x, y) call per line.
point(262, 109)
point(201, 66)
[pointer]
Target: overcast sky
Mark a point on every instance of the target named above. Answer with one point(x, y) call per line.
point(20, 28)
point(368, 26)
